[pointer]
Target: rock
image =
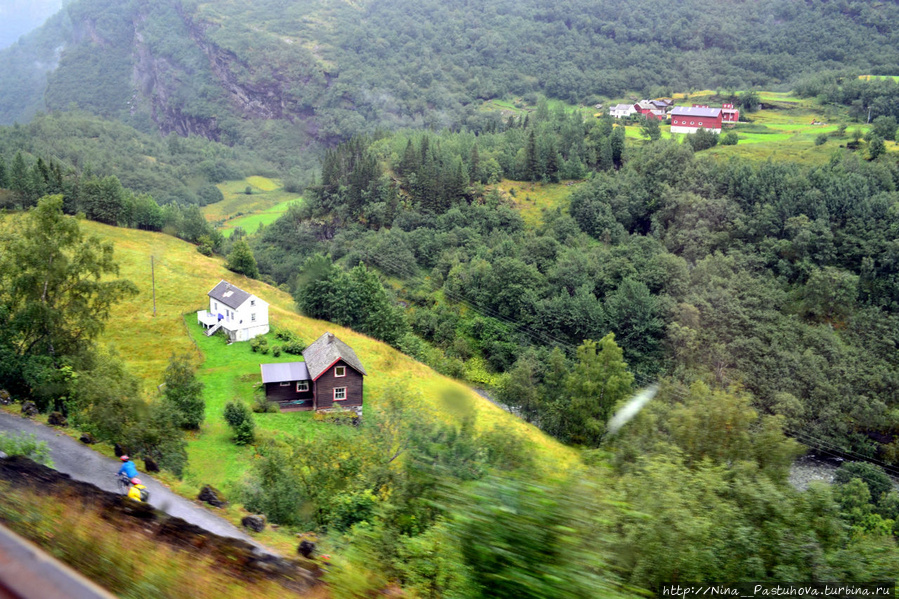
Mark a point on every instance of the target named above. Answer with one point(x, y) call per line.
point(255, 523)
point(119, 450)
point(57, 419)
point(306, 549)
point(212, 496)
point(87, 439)
point(5, 397)
point(150, 465)
point(3, 456)
point(29, 409)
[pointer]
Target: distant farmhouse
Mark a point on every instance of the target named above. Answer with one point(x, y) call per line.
point(241, 315)
point(330, 376)
point(652, 109)
point(692, 119)
point(622, 110)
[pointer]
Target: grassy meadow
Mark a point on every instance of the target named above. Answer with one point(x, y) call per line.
point(183, 277)
point(532, 198)
point(266, 202)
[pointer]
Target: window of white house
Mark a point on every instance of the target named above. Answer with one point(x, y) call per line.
point(253, 317)
point(302, 386)
point(339, 393)
point(252, 302)
point(340, 371)
point(284, 383)
point(215, 305)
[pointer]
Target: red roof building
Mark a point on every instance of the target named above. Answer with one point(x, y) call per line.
point(694, 118)
point(729, 114)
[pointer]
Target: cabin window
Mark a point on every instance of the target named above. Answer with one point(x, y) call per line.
point(340, 371)
point(339, 393)
point(284, 384)
point(253, 317)
point(302, 386)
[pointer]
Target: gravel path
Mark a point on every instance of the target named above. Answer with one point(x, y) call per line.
point(84, 464)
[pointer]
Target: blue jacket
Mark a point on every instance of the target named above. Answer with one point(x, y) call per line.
point(128, 468)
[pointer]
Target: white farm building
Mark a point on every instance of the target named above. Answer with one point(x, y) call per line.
point(240, 314)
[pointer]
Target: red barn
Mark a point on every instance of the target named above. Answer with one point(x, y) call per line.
point(694, 118)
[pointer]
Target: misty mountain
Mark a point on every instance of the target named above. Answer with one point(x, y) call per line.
point(328, 69)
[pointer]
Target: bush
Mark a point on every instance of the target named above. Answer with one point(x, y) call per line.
point(295, 348)
point(702, 140)
point(259, 345)
point(730, 139)
point(27, 446)
point(276, 351)
point(261, 405)
point(821, 140)
point(240, 419)
point(873, 476)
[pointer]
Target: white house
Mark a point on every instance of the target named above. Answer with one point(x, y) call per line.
point(240, 314)
point(622, 110)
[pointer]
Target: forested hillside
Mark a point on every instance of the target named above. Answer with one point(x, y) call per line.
point(328, 70)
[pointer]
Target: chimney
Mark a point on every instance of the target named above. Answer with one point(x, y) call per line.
point(330, 337)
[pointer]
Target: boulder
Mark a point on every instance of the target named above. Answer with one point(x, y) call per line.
point(306, 549)
point(5, 397)
point(87, 439)
point(255, 523)
point(57, 419)
point(212, 496)
point(150, 465)
point(119, 450)
point(3, 456)
point(29, 409)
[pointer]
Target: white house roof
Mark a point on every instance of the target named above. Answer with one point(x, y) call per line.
point(228, 294)
point(620, 107)
point(325, 351)
point(695, 111)
point(285, 372)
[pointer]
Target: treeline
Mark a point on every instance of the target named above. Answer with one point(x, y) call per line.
point(104, 200)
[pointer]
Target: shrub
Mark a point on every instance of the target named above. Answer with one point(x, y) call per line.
point(276, 351)
point(261, 405)
point(293, 347)
point(240, 419)
point(259, 345)
point(27, 446)
point(730, 139)
point(821, 140)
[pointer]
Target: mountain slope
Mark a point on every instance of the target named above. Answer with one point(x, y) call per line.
point(333, 68)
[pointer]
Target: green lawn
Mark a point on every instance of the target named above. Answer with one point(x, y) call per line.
point(232, 372)
point(264, 195)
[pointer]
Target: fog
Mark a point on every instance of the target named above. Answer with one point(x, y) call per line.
point(18, 17)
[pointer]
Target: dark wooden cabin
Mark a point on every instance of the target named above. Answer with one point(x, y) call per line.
point(330, 376)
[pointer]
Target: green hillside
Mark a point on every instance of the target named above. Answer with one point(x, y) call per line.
point(183, 277)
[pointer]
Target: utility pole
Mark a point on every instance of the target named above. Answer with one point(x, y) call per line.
point(153, 276)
